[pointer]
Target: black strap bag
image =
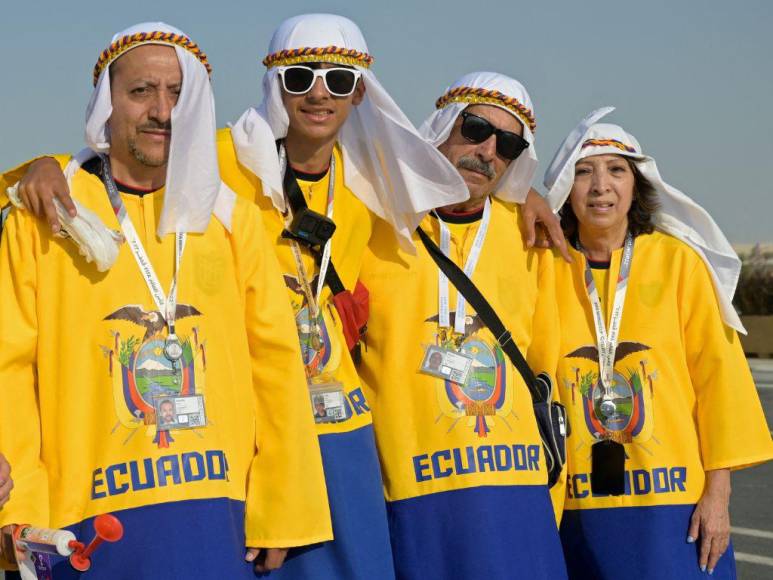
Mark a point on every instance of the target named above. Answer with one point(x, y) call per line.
point(551, 416)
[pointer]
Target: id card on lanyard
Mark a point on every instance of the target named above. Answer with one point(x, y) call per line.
point(452, 364)
point(166, 304)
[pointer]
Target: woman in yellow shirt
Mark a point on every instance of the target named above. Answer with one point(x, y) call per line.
point(660, 398)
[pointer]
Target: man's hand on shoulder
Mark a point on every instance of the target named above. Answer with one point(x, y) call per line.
point(543, 228)
point(44, 182)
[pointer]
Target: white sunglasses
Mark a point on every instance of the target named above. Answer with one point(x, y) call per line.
point(299, 80)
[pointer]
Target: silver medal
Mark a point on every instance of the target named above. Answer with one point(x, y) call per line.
point(608, 406)
point(173, 350)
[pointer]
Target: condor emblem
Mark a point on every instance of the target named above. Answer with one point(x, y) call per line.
point(141, 372)
point(484, 398)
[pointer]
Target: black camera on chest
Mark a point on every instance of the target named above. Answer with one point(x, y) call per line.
point(310, 227)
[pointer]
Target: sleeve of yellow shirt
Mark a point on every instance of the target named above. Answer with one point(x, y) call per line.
point(731, 424)
point(19, 412)
point(13, 176)
point(543, 353)
point(243, 182)
point(286, 495)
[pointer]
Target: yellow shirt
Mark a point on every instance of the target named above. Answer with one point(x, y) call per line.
point(81, 359)
point(361, 548)
point(463, 465)
point(688, 398)
point(417, 415)
point(327, 358)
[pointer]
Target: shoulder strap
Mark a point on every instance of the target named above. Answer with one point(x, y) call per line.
point(298, 202)
point(293, 190)
point(490, 318)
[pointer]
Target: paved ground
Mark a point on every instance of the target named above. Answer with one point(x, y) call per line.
point(752, 502)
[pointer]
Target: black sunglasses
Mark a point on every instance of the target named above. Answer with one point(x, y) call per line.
point(477, 129)
point(298, 80)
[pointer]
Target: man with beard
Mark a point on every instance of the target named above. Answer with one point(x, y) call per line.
point(241, 469)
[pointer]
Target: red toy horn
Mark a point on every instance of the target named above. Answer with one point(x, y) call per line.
point(108, 528)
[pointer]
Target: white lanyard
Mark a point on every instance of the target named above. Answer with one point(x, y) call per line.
point(444, 315)
point(607, 341)
point(167, 305)
point(313, 298)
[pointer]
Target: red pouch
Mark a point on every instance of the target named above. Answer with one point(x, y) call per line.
point(353, 310)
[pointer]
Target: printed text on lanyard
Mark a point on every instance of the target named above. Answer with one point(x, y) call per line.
point(444, 315)
point(167, 305)
point(607, 341)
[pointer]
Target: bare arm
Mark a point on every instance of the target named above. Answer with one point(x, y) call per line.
point(44, 182)
point(543, 228)
point(710, 522)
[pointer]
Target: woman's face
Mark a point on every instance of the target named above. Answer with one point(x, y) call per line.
point(602, 192)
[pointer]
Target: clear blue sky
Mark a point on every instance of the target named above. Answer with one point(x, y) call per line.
point(692, 80)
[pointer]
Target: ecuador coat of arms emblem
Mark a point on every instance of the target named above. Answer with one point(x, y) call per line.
point(141, 372)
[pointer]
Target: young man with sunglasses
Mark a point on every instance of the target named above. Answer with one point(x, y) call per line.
point(342, 143)
point(463, 465)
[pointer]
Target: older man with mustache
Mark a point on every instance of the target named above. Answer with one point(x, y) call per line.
point(464, 471)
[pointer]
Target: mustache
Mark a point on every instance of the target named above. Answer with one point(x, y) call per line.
point(155, 126)
point(475, 164)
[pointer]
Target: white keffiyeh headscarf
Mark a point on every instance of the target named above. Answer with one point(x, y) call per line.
point(488, 88)
point(678, 215)
point(193, 189)
point(387, 165)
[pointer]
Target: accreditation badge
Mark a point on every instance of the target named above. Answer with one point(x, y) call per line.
point(328, 402)
point(451, 365)
point(179, 412)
